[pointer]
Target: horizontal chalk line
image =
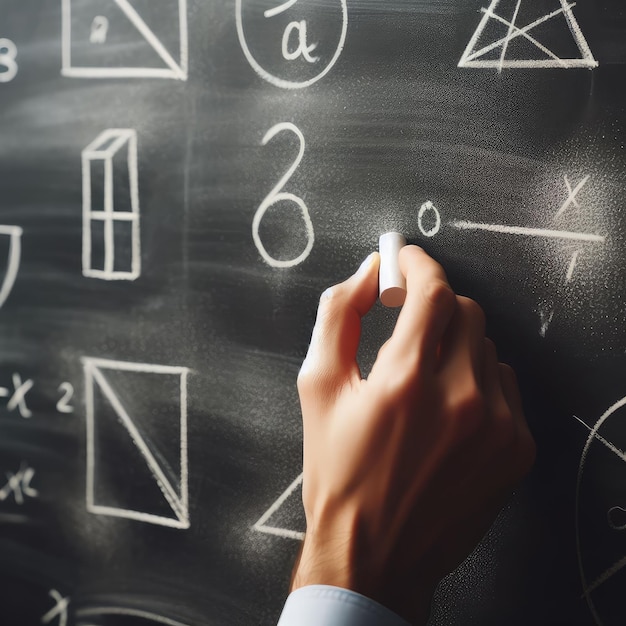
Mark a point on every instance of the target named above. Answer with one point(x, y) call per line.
point(529, 232)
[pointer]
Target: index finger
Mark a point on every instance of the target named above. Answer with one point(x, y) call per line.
point(428, 308)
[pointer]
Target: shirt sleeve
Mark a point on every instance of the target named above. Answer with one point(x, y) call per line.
point(323, 605)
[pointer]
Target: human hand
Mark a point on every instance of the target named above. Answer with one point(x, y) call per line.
point(404, 472)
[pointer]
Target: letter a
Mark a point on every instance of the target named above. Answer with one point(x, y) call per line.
point(303, 49)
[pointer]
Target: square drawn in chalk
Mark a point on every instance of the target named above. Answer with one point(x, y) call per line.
point(137, 464)
point(285, 517)
point(125, 39)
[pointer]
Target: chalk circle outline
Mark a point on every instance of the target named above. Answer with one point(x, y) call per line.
point(276, 80)
point(431, 232)
point(620, 404)
point(306, 218)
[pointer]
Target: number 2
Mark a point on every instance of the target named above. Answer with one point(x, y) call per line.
point(63, 405)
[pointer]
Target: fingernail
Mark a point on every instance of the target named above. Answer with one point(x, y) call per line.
point(365, 265)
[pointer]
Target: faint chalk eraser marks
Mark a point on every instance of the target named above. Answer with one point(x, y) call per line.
point(516, 34)
point(111, 229)
point(125, 39)
point(137, 464)
point(11, 250)
point(285, 516)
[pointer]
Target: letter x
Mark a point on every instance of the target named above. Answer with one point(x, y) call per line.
point(572, 193)
point(19, 485)
point(59, 610)
point(18, 399)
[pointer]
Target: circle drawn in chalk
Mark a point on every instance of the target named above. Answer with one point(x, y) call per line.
point(308, 224)
point(600, 507)
point(429, 207)
point(277, 80)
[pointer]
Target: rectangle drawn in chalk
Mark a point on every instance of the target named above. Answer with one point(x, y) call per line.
point(125, 39)
point(111, 236)
point(137, 464)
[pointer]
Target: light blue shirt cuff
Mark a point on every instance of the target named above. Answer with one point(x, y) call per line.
point(322, 605)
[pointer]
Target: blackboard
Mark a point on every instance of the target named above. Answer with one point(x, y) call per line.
point(161, 277)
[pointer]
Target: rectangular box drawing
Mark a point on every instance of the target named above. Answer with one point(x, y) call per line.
point(100, 214)
point(175, 497)
point(85, 29)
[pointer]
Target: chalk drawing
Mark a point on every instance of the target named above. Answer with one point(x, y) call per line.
point(613, 515)
point(476, 52)
point(63, 405)
point(18, 399)
point(99, 29)
point(97, 611)
point(596, 580)
point(276, 195)
point(19, 485)
point(104, 150)
point(174, 63)
point(303, 49)
point(262, 526)
point(13, 262)
point(59, 610)
point(571, 201)
point(176, 496)
point(530, 232)
point(428, 208)
point(572, 193)
point(546, 320)
point(8, 60)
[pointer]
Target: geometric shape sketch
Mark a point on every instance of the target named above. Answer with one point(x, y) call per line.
point(144, 449)
point(111, 236)
point(601, 516)
point(547, 40)
point(262, 524)
point(125, 39)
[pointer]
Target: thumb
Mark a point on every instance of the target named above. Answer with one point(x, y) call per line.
point(331, 360)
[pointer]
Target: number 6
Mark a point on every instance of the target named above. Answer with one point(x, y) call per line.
point(276, 195)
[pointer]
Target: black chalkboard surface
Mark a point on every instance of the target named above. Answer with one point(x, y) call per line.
point(180, 179)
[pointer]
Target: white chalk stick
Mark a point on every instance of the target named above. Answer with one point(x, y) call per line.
point(392, 286)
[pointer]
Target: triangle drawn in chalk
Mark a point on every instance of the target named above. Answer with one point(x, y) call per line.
point(513, 35)
point(284, 514)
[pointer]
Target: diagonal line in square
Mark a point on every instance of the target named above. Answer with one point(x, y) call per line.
point(168, 490)
point(150, 37)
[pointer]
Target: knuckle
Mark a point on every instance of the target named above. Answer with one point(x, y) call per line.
point(306, 379)
point(314, 382)
point(473, 310)
point(439, 295)
point(491, 351)
point(468, 410)
point(504, 430)
point(508, 373)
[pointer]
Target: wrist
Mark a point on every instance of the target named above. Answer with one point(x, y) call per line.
point(334, 561)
